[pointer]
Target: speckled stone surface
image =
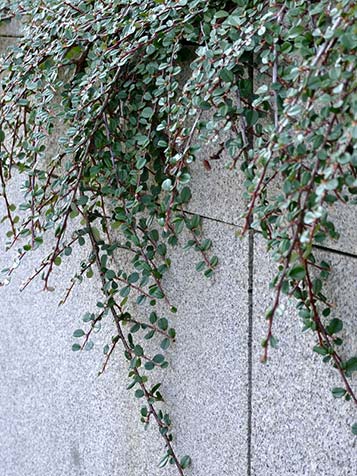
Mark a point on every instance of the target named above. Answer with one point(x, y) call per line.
point(57, 417)
point(345, 219)
point(5, 43)
point(298, 427)
point(217, 193)
point(11, 28)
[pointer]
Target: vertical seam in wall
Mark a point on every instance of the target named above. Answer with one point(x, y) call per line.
point(250, 293)
point(250, 349)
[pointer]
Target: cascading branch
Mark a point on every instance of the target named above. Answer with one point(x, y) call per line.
point(130, 89)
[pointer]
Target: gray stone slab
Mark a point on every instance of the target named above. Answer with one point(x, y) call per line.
point(298, 427)
point(5, 44)
point(217, 193)
point(12, 28)
point(210, 399)
point(57, 417)
point(345, 219)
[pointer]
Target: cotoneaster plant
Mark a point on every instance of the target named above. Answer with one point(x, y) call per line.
point(131, 89)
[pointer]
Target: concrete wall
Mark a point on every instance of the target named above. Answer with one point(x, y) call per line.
point(231, 414)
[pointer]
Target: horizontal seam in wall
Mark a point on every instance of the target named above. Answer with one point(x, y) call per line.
point(11, 36)
point(335, 251)
point(217, 220)
point(237, 225)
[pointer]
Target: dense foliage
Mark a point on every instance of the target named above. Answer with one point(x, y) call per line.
point(135, 87)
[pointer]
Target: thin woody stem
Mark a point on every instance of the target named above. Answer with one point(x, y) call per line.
point(323, 335)
point(128, 349)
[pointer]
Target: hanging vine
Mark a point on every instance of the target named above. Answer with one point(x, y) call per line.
point(131, 89)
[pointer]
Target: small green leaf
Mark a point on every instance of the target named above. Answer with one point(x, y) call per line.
point(317, 285)
point(73, 52)
point(214, 261)
point(82, 200)
point(162, 249)
point(140, 163)
point(78, 333)
point(158, 359)
point(124, 292)
point(226, 75)
point(348, 41)
point(200, 266)
point(57, 261)
point(297, 273)
point(334, 326)
point(351, 365)
point(150, 334)
point(166, 185)
point(141, 299)
point(320, 350)
point(138, 350)
point(234, 20)
point(251, 117)
point(88, 317)
point(185, 462)
point(147, 112)
point(163, 323)
point(273, 342)
point(185, 195)
point(89, 345)
point(338, 392)
point(165, 343)
point(164, 461)
point(133, 278)
point(135, 328)
point(153, 317)
point(110, 274)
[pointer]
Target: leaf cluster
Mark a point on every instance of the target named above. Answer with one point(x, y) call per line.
point(131, 89)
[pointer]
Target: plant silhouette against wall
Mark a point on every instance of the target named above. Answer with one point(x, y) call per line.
point(136, 87)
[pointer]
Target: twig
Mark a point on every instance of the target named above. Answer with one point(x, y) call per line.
point(128, 349)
